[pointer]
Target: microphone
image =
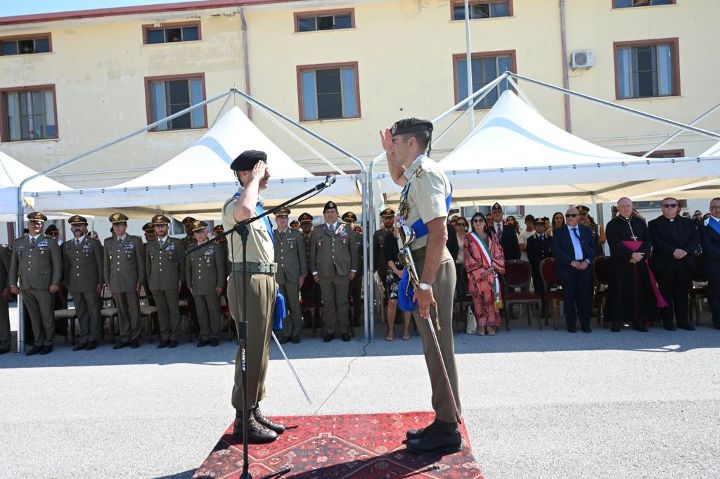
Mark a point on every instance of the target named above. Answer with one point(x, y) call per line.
point(329, 180)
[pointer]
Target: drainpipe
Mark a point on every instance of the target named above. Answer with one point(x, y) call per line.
point(564, 58)
point(246, 59)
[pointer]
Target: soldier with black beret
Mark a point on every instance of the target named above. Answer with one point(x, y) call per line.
point(291, 273)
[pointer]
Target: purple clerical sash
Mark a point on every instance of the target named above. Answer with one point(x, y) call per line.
point(634, 246)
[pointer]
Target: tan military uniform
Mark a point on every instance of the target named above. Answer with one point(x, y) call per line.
point(291, 264)
point(83, 272)
point(124, 270)
point(333, 254)
point(165, 272)
point(260, 302)
point(36, 265)
point(425, 199)
point(4, 309)
point(204, 272)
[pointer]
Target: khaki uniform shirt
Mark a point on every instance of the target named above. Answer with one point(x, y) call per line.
point(38, 266)
point(205, 269)
point(333, 253)
point(164, 271)
point(82, 265)
point(260, 247)
point(124, 263)
point(290, 256)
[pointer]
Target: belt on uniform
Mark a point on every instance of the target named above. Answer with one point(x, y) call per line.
point(252, 268)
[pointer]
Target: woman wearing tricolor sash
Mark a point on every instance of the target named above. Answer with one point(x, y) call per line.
point(484, 262)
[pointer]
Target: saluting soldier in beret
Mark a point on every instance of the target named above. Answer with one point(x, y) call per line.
point(334, 263)
point(124, 274)
point(291, 272)
point(424, 204)
point(83, 268)
point(251, 171)
point(165, 273)
point(36, 265)
point(205, 277)
point(356, 284)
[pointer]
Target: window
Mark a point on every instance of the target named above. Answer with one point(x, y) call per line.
point(647, 69)
point(171, 33)
point(485, 68)
point(169, 95)
point(640, 3)
point(328, 20)
point(328, 91)
point(481, 9)
point(662, 153)
point(25, 45)
point(29, 113)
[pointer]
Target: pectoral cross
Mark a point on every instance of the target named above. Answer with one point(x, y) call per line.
point(634, 238)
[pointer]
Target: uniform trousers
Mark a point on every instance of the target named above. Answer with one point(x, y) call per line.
point(260, 303)
point(443, 292)
point(713, 297)
point(207, 307)
point(39, 303)
point(334, 291)
point(168, 311)
point(356, 295)
point(675, 283)
point(87, 307)
point(4, 325)
point(291, 292)
point(128, 305)
point(577, 297)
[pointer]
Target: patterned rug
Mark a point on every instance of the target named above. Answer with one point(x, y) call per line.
point(350, 446)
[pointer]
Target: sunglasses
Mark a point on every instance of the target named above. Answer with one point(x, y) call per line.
point(570, 215)
point(461, 224)
point(670, 205)
point(478, 220)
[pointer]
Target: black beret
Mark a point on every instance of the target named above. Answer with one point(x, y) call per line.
point(247, 160)
point(329, 206)
point(51, 228)
point(349, 217)
point(148, 226)
point(411, 125)
point(305, 217)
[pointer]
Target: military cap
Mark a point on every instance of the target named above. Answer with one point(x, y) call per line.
point(77, 220)
point(247, 159)
point(198, 225)
point(349, 217)
point(218, 228)
point(118, 218)
point(411, 125)
point(187, 220)
point(539, 221)
point(305, 217)
point(294, 223)
point(160, 220)
point(583, 209)
point(148, 226)
point(284, 211)
point(387, 212)
point(496, 206)
point(329, 206)
point(546, 219)
point(51, 229)
point(37, 216)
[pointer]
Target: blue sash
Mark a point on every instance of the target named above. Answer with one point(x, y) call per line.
point(715, 225)
point(268, 226)
point(280, 311)
point(420, 228)
point(406, 295)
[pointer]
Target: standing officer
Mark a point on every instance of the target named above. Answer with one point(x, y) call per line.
point(334, 262)
point(356, 283)
point(83, 267)
point(124, 274)
point(291, 272)
point(310, 290)
point(539, 247)
point(4, 298)
point(37, 264)
point(710, 234)
point(149, 232)
point(424, 204)
point(205, 277)
point(505, 233)
point(189, 238)
point(165, 273)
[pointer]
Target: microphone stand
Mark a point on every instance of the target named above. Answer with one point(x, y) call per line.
point(242, 326)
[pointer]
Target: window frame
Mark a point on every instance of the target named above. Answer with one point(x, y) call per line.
point(165, 26)
point(614, 7)
point(323, 13)
point(453, 3)
point(675, 44)
point(672, 153)
point(5, 128)
point(33, 36)
point(165, 78)
point(474, 56)
point(328, 66)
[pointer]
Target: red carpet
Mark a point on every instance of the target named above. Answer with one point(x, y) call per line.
point(350, 446)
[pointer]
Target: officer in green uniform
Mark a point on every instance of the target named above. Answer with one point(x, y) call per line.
point(291, 273)
point(149, 232)
point(165, 273)
point(4, 298)
point(205, 276)
point(189, 238)
point(334, 263)
point(251, 171)
point(124, 274)
point(83, 268)
point(424, 206)
point(36, 265)
point(356, 284)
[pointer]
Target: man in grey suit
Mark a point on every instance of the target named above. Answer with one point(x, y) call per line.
point(291, 272)
point(4, 297)
point(165, 274)
point(334, 262)
point(83, 268)
point(37, 264)
point(124, 274)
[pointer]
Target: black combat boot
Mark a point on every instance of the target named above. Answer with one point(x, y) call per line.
point(257, 433)
point(268, 423)
point(443, 437)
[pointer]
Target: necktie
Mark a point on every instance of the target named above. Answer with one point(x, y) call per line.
point(498, 228)
point(332, 228)
point(575, 232)
point(77, 242)
point(32, 242)
point(542, 237)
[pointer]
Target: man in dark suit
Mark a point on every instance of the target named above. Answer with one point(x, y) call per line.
point(710, 234)
point(574, 250)
point(674, 240)
point(4, 297)
point(506, 233)
point(539, 247)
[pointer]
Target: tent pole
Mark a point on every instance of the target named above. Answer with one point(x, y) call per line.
point(468, 66)
point(679, 132)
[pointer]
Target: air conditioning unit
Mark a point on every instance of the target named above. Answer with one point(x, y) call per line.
point(581, 59)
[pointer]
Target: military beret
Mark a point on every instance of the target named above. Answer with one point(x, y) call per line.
point(160, 220)
point(118, 218)
point(349, 217)
point(284, 211)
point(247, 159)
point(305, 217)
point(77, 220)
point(148, 226)
point(411, 125)
point(51, 229)
point(218, 228)
point(387, 212)
point(329, 206)
point(187, 220)
point(583, 209)
point(496, 206)
point(198, 225)
point(37, 216)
